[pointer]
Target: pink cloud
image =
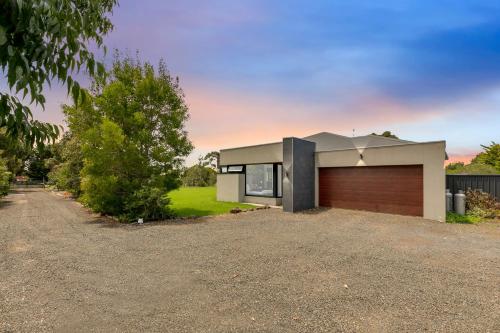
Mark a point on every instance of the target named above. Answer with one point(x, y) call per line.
point(464, 158)
point(225, 117)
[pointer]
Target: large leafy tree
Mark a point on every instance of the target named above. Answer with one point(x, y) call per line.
point(490, 156)
point(42, 40)
point(133, 141)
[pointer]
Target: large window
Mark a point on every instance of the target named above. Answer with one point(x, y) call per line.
point(260, 180)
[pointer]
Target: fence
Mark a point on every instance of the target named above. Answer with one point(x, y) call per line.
point(486, 183)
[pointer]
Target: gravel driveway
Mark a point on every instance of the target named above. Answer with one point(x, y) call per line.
point(62, 269)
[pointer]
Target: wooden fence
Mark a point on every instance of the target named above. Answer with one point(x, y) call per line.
point(486, 183)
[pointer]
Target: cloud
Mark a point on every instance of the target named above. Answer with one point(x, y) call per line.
point(255, 71)
point(441, 65)
point(466, 159)
point(422, 52)
point(222, 117)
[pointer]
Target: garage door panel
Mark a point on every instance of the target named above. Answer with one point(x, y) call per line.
point(359, 200)
point(389, 189)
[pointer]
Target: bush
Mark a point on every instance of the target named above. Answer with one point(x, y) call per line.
point(150, 204)
point(480, 204)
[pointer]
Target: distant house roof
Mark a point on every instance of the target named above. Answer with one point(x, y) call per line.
point(329, 141)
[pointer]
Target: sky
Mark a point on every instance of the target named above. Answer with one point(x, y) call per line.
point(257, 71)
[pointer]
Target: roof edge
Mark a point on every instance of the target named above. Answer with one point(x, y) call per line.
point(386, 146)
point(243, 147)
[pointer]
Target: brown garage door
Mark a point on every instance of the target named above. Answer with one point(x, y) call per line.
point(386, 189)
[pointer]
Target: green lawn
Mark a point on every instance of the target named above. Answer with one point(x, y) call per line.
point(200, 201)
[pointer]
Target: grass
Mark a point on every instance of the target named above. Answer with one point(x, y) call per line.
point(200, 201)
point(466, 219)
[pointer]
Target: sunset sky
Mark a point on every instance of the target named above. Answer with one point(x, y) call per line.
point(256, 71)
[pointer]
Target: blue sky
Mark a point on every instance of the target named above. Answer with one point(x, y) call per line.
point(256, 71)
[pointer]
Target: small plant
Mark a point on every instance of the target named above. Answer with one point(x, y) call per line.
point(480, 204)
point(235, 210)
point(465, 219)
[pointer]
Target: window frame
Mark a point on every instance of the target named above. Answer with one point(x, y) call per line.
point(242, 166)
point(275, 180)
point(243, 170)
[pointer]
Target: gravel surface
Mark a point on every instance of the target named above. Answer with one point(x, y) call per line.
point(63, 269)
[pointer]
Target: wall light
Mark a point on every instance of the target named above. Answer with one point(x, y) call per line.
point(361, 156)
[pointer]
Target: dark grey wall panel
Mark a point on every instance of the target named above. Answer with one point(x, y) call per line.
point(287, 200)
point(487, 183)
point(298, 174)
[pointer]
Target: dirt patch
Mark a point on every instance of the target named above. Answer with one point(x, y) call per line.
point(17, 246)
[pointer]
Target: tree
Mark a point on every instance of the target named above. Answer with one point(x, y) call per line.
point(42, 40)
point(204, 173)
point(67, 164)
point(66, 171)
point(14, 152)
point(210, 160)
point(453, 167)
point(36, 164)
point(387, 134)
point(133, 142)
point(199, 175)
point(490, 156)
point(484, 163)
point(470, 169)
point(4, 177)
point(108, 175)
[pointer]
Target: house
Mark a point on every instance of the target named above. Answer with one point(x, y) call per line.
point(369, 172)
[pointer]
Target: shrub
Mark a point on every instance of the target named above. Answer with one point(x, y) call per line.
point(150, 203)
point(457, 218)
point(480, 204)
